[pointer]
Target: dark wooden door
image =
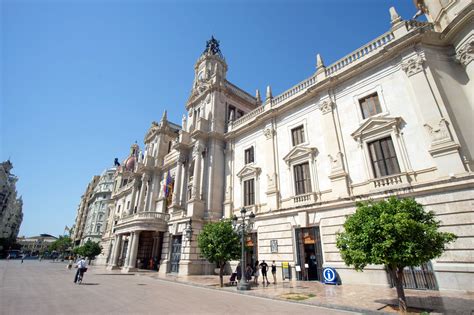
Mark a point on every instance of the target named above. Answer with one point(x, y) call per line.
point(175, 253)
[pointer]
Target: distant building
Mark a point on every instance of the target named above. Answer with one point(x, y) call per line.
point(93, 209)
point(82, 210)
point(98, 207)
point(35, 245)
point(11, 207)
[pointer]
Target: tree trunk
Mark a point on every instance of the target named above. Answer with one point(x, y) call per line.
point(221, 274)
point(397, 276)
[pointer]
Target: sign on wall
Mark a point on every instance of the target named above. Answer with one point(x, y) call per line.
point(274, 246)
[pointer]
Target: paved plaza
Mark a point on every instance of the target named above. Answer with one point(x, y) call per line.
point(47, 288)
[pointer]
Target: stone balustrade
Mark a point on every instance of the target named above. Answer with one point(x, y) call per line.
point(248, 116)
point(304, 199)
point(337, 67)
point(388, 181)
point(361, 53)
point(147, 215)
point(301, 87)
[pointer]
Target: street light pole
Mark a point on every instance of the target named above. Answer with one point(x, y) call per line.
point(243, 283)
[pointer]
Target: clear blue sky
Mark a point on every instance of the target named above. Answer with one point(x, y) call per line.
point(82, 80)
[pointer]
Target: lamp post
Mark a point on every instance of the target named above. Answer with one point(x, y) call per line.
point(243, 284)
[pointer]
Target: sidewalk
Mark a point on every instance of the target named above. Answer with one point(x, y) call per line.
point(358, 298)
point(367, 299)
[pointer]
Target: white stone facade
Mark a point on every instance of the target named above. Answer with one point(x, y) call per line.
point(393, 117)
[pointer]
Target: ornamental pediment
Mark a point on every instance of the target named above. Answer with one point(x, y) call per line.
point(299, 152)
point(376, 125)
point(248, 171)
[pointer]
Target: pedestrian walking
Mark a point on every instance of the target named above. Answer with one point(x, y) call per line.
point(256, 272)
point(248, 273)
point(264, 268)
point(22, 257)
point(238, 271)
point(274, 272)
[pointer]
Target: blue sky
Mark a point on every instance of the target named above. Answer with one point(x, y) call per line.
point(82, 80)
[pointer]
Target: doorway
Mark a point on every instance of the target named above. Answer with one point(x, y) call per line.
point(309, 253)
point(175, 253)
point(251, 249)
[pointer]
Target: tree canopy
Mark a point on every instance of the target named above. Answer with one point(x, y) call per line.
point(62, 244)
point(219, 243)
point(396, 233)
point(89, 249)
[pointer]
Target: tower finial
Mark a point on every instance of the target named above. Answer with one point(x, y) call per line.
point(258, 97)
point(269, 93)
point(319, 61)
point(212, 47)
point(165, 116)
point(394, 16)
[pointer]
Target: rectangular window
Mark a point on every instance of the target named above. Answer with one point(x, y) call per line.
point(249, 192)
point(249, 158)
point(191, 171)
point(302, 178)
point(240, 113)
point(297, 135)
point(231, 113)
point(370, 105)
point(383, 157)
point(128, 204)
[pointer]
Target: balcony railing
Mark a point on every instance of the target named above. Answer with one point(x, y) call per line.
point(304, 199)
point(147, 215)
point(389, 180)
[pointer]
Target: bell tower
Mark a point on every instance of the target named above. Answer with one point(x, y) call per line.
point(211, 67)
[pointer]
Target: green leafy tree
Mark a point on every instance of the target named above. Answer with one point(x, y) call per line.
point(396, 233)
point(61, 245)
point(219, 243)
point(89, 249)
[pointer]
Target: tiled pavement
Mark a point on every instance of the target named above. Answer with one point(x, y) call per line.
point(362, 298)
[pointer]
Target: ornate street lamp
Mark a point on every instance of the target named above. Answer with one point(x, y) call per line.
point(243, 229)
point(188, 231)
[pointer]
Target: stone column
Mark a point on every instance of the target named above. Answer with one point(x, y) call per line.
point(176, 202)
point(116, 252)
point(127, 257)
point(132, 201)
point(141, 199)
point(197, 171)
point(132, 263)
point(338, 174)
point(270, 160)
point(433, 115)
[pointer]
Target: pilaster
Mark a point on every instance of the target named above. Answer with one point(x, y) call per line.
point(433, 116)
point(338, 174)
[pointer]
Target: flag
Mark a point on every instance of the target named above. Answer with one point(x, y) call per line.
point(166, 187)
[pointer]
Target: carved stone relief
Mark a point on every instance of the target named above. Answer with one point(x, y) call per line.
point(439, 133)
point(413, 65)
point(465, 55)
point(326, 106)
point(268, 132)
point(336, 162)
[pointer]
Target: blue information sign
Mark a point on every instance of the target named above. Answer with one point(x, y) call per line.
point(330, 276)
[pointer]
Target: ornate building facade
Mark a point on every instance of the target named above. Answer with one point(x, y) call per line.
point(97, 211)
point(11, 207)
point(387, 119)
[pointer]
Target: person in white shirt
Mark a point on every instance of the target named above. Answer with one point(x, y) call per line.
point(81, 268)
